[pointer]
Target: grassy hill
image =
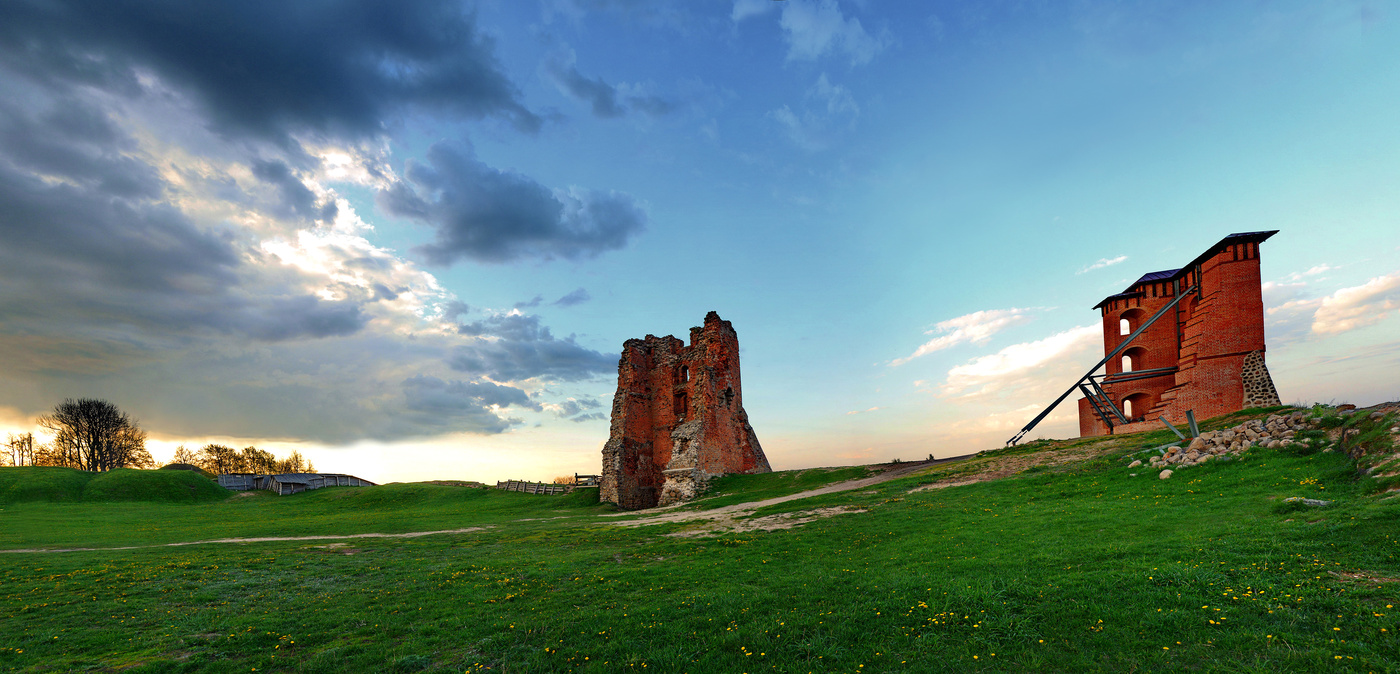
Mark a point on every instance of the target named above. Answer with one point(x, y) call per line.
point(67, 485)
point(1048, 557)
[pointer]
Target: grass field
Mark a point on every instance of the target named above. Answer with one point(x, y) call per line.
point(1061, 567)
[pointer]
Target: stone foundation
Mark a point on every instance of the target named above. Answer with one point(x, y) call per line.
point(1259, 388)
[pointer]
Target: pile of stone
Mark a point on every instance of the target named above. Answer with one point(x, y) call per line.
point(1276, 431)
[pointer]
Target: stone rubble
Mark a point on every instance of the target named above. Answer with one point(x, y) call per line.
point(1278, 430)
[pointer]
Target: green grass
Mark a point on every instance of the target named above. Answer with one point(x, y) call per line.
point(68, 485)
point(1074, 568)
point(731, 489)
point(20, 485)
point(169, 486)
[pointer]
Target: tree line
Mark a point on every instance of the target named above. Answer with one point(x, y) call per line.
point(91, 434)
point(221, 460)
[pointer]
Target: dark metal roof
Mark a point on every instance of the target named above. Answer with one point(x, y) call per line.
point(1119, 296)
point(1241, 237)
point(1173, 274)
point(1154, 276)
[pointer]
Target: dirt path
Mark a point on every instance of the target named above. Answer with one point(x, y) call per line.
point(667, 514)
point(264, 539)
point(656, 516)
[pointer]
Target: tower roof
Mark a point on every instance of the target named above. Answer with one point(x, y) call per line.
point(1173, 274)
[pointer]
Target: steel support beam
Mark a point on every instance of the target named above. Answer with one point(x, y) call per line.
point(1046, 412)
point(1094, 402)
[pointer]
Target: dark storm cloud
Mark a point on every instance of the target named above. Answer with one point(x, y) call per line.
point(75, 141)
point(599, 95)
point(603, 99)
point(85, 239)
point(72, 255)
point(454, 309)
point(271, 67)
point(520, 348)
point(490, 215)
point(572, 409)
point(297, 199)
point(458, 403)
point(278, 318)
point(576, 297)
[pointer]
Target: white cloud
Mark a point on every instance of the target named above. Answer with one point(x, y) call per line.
point(872, 409)
point(1020, 365)
point(1314, 271)
point(744, 9)
point(976, 328)
point(1358, 306)
point(825, 110)
point(1103, 262)
point(838, 99)
point(817, 27)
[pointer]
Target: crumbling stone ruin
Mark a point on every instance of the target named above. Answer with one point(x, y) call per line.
point(1206, 355)
point(678, 418)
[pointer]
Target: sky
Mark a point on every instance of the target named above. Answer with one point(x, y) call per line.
point(408, 239)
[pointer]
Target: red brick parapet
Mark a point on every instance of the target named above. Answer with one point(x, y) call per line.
point(1206, 355)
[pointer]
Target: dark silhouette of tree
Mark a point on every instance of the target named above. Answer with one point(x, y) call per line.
point(92, 434)
point(185, 456)
point(21, 448)
point(222, 460)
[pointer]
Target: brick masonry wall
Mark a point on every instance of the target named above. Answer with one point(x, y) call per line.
point(678, 418)
point(1219, 355)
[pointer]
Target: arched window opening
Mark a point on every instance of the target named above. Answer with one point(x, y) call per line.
point(1134, 359)
point(1128, 408)
point(685, 373)
point(679, 405)
point(1123, 327)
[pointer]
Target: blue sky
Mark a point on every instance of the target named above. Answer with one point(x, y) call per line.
point(409, 239)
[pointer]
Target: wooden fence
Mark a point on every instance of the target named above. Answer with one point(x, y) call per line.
point(533, 487)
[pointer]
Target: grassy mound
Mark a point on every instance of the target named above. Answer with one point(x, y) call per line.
point(168, 486)
point(401, 495)
point(68, 485)
point(42, 483)
point(189, 467)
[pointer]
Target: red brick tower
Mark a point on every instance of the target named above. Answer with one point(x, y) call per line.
point(678, 418)
point(1205, 355)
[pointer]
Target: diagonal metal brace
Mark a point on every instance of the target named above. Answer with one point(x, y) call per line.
point(1169, 425)
point(1046, 412)
point(1108, 402)
point(1094, 402)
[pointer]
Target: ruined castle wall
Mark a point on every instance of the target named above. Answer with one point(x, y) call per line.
point(678, 418)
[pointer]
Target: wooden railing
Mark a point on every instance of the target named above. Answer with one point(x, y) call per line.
point(533, 487)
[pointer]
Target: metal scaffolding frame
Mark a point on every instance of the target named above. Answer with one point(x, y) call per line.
point(1089, 378)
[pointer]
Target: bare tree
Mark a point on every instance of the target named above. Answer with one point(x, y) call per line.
point(21, 448)
point(220, 459)
point(185, 456)
point(295, 463)
point(94, 435)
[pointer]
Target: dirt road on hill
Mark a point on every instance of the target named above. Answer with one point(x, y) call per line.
point(728, 513)
point(724, 517)
point(263, 539)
